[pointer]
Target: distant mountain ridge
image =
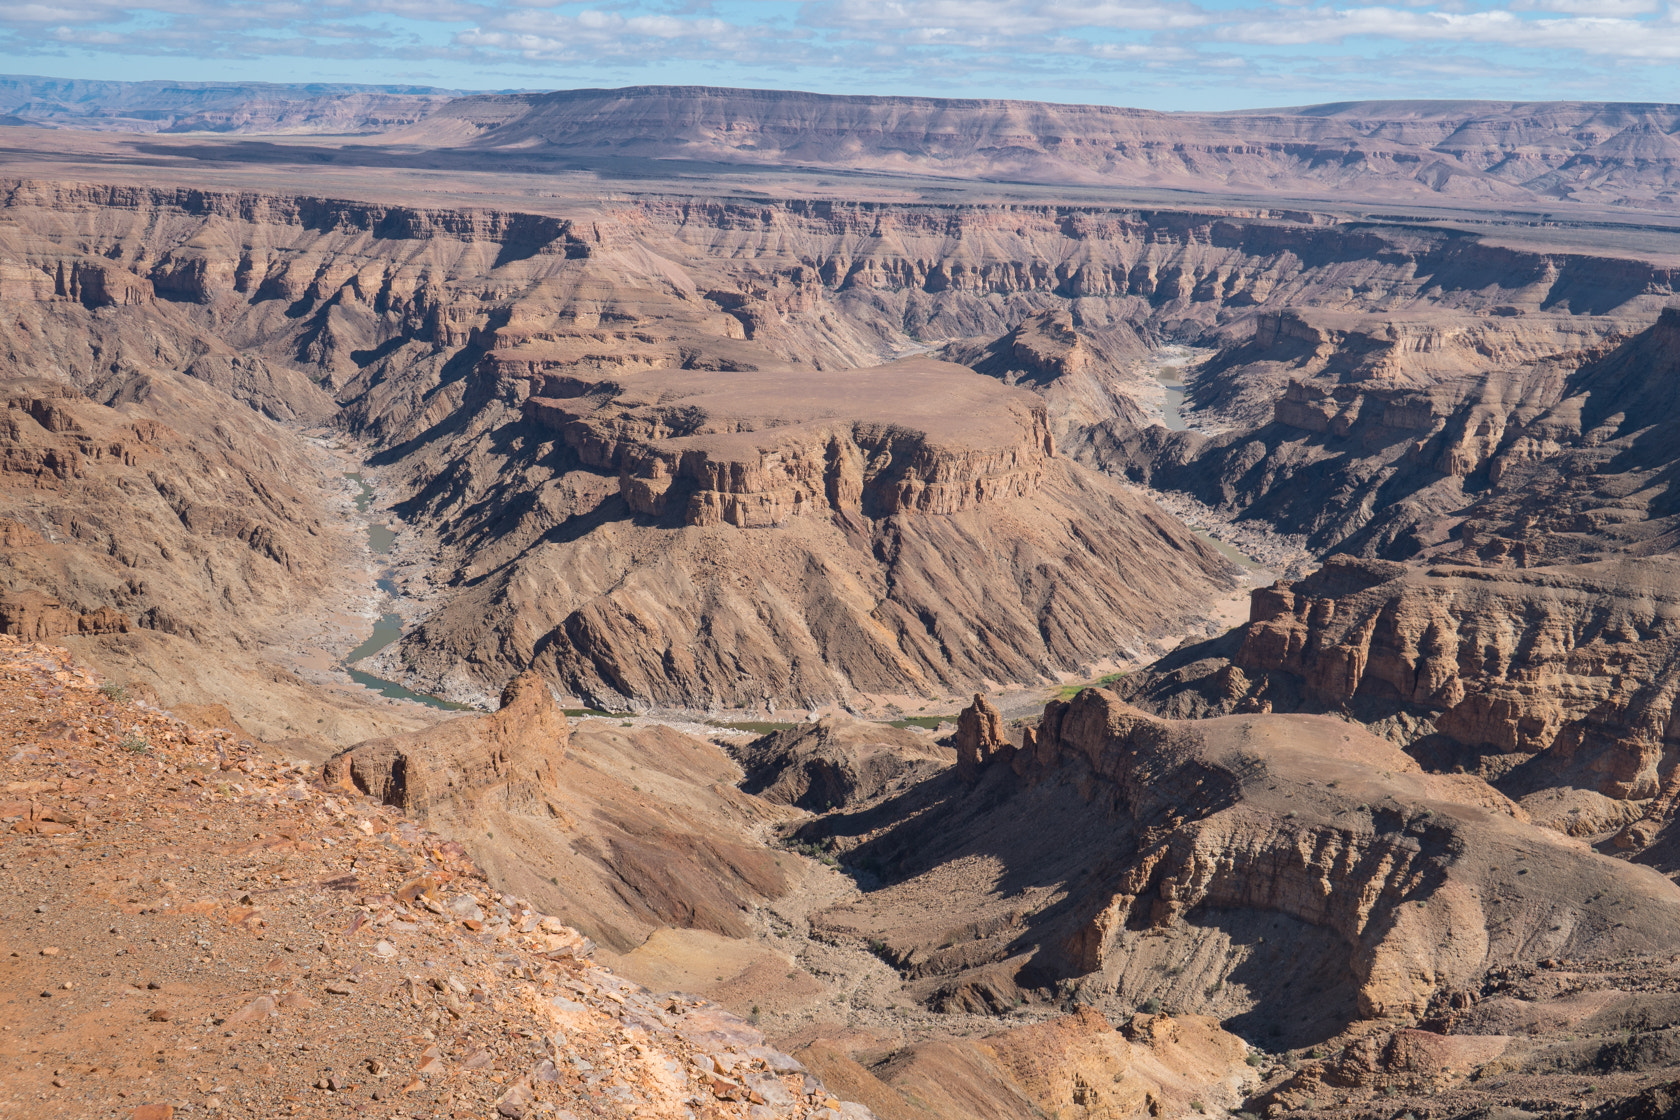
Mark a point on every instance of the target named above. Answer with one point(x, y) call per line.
point(215, 106)
point(1532, 155)
point(1480, 152)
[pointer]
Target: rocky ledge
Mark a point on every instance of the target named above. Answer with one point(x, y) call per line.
point(755, 448)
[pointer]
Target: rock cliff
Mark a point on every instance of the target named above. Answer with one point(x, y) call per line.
point(118, 520)
point(1557, 684)
point(764, 446)
point(1187, 841)
point(1394, 151)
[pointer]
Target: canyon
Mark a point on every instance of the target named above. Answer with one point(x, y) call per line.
point(1038, 610)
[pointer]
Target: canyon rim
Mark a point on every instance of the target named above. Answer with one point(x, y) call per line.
point(696, 602)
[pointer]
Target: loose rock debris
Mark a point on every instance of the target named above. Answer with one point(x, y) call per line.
point(190, 928)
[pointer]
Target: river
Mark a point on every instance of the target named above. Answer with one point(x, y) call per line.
point(1170, 363)
point(390, 625)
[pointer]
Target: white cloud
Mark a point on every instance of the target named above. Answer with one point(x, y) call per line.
point(1628, 38)
point(1056, 49)
point(993, 20)
point(1589, 7)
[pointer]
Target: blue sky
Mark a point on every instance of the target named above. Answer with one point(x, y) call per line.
point(1159, 54)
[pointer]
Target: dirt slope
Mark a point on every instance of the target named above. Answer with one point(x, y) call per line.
point(194, 926)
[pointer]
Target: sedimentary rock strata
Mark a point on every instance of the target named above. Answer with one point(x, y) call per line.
point(1554, 683)
point(118, 521)
point(710, 451)
point(754, 448)
point(1199, 833)
point(1392, 151)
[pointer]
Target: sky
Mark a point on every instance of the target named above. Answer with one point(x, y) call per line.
point(1156, 54)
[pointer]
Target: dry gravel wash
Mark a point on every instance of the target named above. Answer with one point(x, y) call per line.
point(188, 928)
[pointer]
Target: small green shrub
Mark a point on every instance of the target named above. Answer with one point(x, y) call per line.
point(1254, 1059)
point(113, 691)
point(137, 744)
point(1150, 1006)
point(816, 852)
point(1198, 1106)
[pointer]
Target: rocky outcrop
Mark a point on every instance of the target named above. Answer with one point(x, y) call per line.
point(1049, 348)
point(838, 763)
point(510, 760)
point(1542, 679)
point(37, 617)
point(1199, 834)
point(860, 443)
point(1214, 839)
point(979, 738)
point(593, 838)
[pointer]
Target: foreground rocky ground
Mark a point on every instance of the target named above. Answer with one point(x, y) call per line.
point(191, 927)
point(196, 926)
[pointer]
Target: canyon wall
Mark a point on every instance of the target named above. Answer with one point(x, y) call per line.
point(1540, 154)
point(514, 370)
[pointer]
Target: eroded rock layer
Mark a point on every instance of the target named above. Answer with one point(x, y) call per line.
point(1185, 840)
point(1474, 151)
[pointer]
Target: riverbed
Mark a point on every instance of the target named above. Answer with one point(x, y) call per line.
point(390, 625)
point(1169, 363)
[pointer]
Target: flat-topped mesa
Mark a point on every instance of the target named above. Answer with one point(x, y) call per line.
point(754, 448)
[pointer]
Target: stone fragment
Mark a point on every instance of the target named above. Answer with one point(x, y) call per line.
point(256, 1009)
point(514, 1102)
